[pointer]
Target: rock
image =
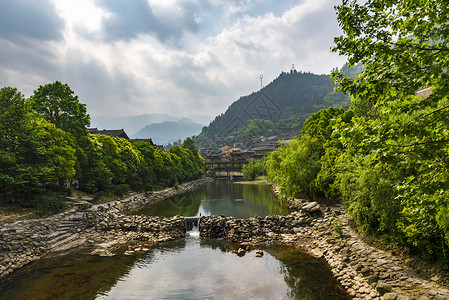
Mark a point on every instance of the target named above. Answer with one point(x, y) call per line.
point(390, 296)
point(372, 279)
point(241, 252)
point(383, 287)
point(310, 207)
point(259, 253)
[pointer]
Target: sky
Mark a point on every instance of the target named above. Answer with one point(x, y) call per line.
point(132, 57)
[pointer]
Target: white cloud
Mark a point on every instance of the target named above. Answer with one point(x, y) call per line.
point(199, 58)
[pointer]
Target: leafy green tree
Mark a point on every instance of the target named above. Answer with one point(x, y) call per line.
point(255, 168)
point(17, 175)
point(295, 166)
point(402, 45)
point(33, 152)
point(147, 174)
point(260, 127)
point(57, 103)
point(55, 151)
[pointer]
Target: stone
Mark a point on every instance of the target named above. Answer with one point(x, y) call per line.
point(383, 287)
point(241, 252)
point(372, 279)
point(310, 207)
point(259, 253)
point(390, 296)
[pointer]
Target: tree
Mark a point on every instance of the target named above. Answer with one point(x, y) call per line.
point(55, 151)
point(33, 152)
point(16, 145)
point(402, 44)
point(57, 103)
point(395, 175)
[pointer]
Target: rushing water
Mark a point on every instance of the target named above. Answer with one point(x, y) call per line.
point(220, 198)
point(190, 268)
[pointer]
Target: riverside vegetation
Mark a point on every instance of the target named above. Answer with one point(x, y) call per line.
point(387, 156)
point(44, 144)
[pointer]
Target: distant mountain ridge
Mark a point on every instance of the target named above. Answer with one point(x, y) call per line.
point(169, 131)
point(132, 124)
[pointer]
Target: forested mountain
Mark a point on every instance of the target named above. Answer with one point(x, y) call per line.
point(283, 105)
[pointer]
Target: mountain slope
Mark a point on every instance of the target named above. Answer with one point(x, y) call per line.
point(284, 104)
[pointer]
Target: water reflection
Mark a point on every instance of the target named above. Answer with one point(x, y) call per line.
point(221, 198)
point(74, 276)
point(183, 269)
point(191, 270)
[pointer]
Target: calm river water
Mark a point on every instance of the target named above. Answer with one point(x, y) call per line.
point(222, 197)
point(190, 268)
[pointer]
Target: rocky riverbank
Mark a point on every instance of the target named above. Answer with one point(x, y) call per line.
point(365, 272)
point(28, 240)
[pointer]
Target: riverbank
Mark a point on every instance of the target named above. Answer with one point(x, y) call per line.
point(364, 271)
point(27, 240)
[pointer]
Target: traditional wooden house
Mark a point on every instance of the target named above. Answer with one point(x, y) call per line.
point(112, 133)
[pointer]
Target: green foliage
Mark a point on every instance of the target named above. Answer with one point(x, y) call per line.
point(392, 163)
point(255, 168)
point(44, 142)
point(260, 127)
point(148, 187)
point(17, 175)
point(121, 189)
point(338, 227)
point(48, 203)
point(295, 166)
point(402, 45)
point(57, 103)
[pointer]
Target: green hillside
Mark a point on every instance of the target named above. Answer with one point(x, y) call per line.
point(279, 108)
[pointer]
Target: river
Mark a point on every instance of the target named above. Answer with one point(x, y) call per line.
point(189, 268)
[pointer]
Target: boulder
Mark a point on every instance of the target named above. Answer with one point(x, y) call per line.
point(310, 207)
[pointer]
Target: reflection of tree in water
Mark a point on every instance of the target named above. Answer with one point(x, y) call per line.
point(220, 198)
point(186, 205)
point(213, 244)
point(307, 277)
point(71, 276)
point(260, 195)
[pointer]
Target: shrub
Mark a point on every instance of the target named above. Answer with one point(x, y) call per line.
point(338, 227)
point(121, 189)
point(148, 187)
point(46, 204)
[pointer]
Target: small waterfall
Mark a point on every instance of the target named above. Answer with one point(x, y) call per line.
point(192, 226)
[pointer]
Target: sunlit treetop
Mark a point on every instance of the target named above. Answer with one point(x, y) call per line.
point(403, 45)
